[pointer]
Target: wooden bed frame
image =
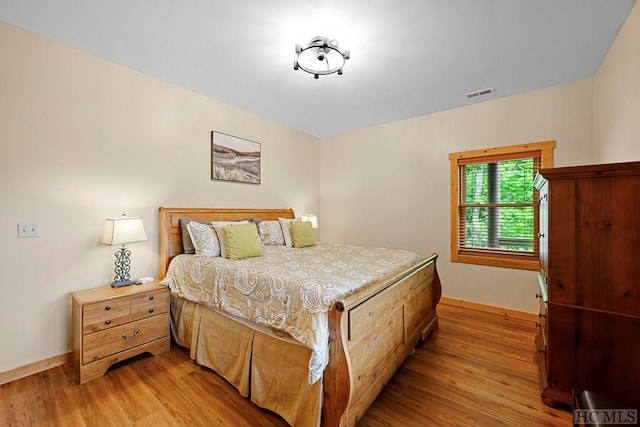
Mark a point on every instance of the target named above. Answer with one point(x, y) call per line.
point(371, 332)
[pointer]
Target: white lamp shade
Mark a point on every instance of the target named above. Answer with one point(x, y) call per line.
point(125, 229)
point(313, 219)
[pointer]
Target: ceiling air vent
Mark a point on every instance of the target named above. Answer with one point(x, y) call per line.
point(479, 93)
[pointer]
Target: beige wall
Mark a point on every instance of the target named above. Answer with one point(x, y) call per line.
point(389, 185)
point(83, 139)
point(617, 97)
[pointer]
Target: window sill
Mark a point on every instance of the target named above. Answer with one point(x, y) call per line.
point(491, 261)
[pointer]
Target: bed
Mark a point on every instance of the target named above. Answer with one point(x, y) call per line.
point(370, 332)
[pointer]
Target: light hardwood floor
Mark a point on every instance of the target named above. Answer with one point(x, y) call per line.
point(477, 370)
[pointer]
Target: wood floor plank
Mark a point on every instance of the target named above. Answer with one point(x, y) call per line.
point(478, 369)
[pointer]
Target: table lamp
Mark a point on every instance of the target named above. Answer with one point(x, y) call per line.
point(312, 218)
point(120, 231)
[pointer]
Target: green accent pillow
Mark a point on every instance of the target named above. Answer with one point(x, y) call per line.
point(242, 241)
point(302, 234)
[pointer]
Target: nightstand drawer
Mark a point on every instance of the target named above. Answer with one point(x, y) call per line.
point(110, 320)
point(104, 343)
point(110, 307)
point(149, 298)
point(157, 306)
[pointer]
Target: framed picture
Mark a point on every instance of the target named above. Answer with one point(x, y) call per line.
point(234, 159)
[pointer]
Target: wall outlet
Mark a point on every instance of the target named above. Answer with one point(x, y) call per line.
point(28, 230)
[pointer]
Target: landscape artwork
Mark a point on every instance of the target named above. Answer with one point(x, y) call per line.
point(234, 159)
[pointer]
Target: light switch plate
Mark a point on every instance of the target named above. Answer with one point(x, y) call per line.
point(28, 230)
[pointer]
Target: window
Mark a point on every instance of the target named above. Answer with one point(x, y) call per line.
point(494, 206)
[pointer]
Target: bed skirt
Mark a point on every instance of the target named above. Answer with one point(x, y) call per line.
point(272, 371)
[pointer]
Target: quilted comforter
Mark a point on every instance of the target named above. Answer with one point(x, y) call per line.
point(289, 290)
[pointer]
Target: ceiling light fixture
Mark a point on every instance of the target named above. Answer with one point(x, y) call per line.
point(320, 57)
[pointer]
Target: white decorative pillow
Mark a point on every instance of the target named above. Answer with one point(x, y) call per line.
point(217, 225)
point(284, 223)
point(271, 233)
point(204, 239)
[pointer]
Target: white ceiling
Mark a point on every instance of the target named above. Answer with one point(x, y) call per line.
point(408, 57)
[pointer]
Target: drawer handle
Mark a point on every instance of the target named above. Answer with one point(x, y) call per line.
point(129, 338)
point(107, 322)
point(540, 315)
point(151, 298)
point(538, 296)
point(538, 325)
point(541, 350)
point(151, 310)
point(108, 308)
point(540, 235)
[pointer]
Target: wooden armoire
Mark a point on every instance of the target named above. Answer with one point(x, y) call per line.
point(589, 328)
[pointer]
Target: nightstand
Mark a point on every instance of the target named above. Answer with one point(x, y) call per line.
point(113, 324)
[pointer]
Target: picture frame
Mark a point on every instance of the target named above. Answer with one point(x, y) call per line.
point(234, 159)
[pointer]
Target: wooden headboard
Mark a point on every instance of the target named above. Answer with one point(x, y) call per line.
point(171, 233)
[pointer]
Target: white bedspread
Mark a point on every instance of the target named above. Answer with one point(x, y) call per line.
point(287, 289)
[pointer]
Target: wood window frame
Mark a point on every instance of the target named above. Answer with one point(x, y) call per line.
point(497, 259)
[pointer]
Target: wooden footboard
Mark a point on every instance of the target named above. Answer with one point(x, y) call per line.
point(371, 334)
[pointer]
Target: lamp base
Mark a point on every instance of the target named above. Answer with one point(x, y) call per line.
point(122, 283)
